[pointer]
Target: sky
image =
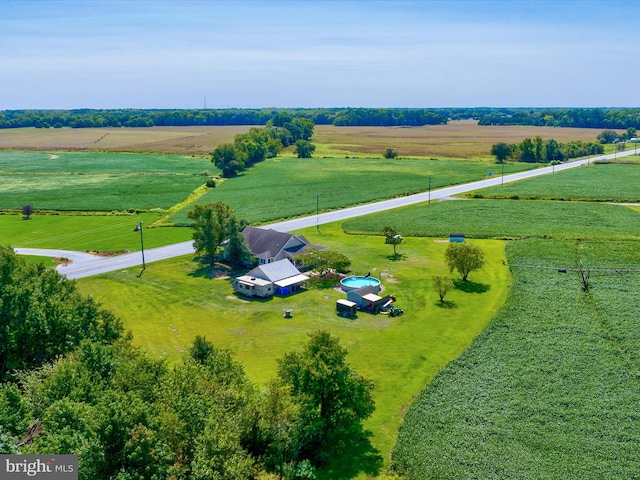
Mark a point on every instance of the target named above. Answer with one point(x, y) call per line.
point(318, 53)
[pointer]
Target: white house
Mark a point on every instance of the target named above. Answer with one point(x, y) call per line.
point(277, 278)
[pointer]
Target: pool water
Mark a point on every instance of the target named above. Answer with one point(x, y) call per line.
point(356, 282)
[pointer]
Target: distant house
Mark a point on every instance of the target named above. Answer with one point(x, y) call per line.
point(270, 245)
point(277, 278)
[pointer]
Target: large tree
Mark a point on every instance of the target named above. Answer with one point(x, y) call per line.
point(43, 315)
point(305, 149)
point(464, 258)
point(227, 159)
point(333, 398)
point(501, 151)
point(213, 225)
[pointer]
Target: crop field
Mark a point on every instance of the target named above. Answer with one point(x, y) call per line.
point(506, 219)
point(186, 140)
point(607, 182)
point(176, 300)
point(97, 181)
point(550, 389)
point(459, 139)
point(288, 187)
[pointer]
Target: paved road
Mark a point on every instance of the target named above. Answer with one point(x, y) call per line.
point(85, 265)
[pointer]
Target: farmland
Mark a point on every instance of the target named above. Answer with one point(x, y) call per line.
point(549, 389)
point(459, 139)
point(590, 184)
point(551, 377)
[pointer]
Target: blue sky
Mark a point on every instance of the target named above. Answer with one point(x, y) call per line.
point(305, 53)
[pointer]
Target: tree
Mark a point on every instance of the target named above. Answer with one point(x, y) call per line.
point(43, 315)
point(607, 136)
point(390, 153)
point(213, 223)
point(553, 151)
point(305, 149)
point(464, 258)
point(226, 158)
point(279, 427)
point(236, 252)
point(27, 211)
point(324, 261)
point(526, 151)
point(333, 398)
point(442, 285)
point(392, 237)
point(501, 151)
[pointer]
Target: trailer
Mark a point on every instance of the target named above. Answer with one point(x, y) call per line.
point(346, 308)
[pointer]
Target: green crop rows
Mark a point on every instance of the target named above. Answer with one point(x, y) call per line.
point(550, 389)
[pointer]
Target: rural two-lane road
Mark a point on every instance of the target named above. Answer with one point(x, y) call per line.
point(86, 265)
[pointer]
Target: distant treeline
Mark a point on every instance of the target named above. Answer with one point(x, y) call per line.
point(86, 118)
point(620, 118)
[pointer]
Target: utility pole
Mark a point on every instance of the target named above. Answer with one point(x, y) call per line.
point(144, 266)
point(318, 212)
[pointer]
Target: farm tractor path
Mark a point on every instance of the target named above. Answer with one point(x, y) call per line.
point(86, 265)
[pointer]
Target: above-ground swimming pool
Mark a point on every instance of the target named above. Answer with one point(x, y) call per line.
point(355, 282)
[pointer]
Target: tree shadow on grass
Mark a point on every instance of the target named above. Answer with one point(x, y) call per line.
point(471, 287)
point(358, 456)
point(446, 304)
point(396, 257)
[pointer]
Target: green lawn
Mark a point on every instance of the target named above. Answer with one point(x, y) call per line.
point(550, 389)
point(598, 182)
point(87, 232)
point(289, 187)
point(506, 219)
point(174, 301)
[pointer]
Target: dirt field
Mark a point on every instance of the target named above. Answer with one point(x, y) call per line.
point(462, 139)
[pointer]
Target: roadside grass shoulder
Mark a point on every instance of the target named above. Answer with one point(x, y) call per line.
point(506, 219)
point(607, 182)
point(549, 389)
point(175, 300)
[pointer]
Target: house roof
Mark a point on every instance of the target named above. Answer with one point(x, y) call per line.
point(267, 243)
point(275, 271)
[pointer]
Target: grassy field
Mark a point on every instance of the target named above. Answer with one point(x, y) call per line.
point(97, 181)
point(174, 301)
point(87, 233)
point(598, 182)
point(550, 389)
point(506, 219)
point(287, 187)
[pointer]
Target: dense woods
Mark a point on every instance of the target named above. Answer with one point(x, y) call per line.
point(618, 118)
